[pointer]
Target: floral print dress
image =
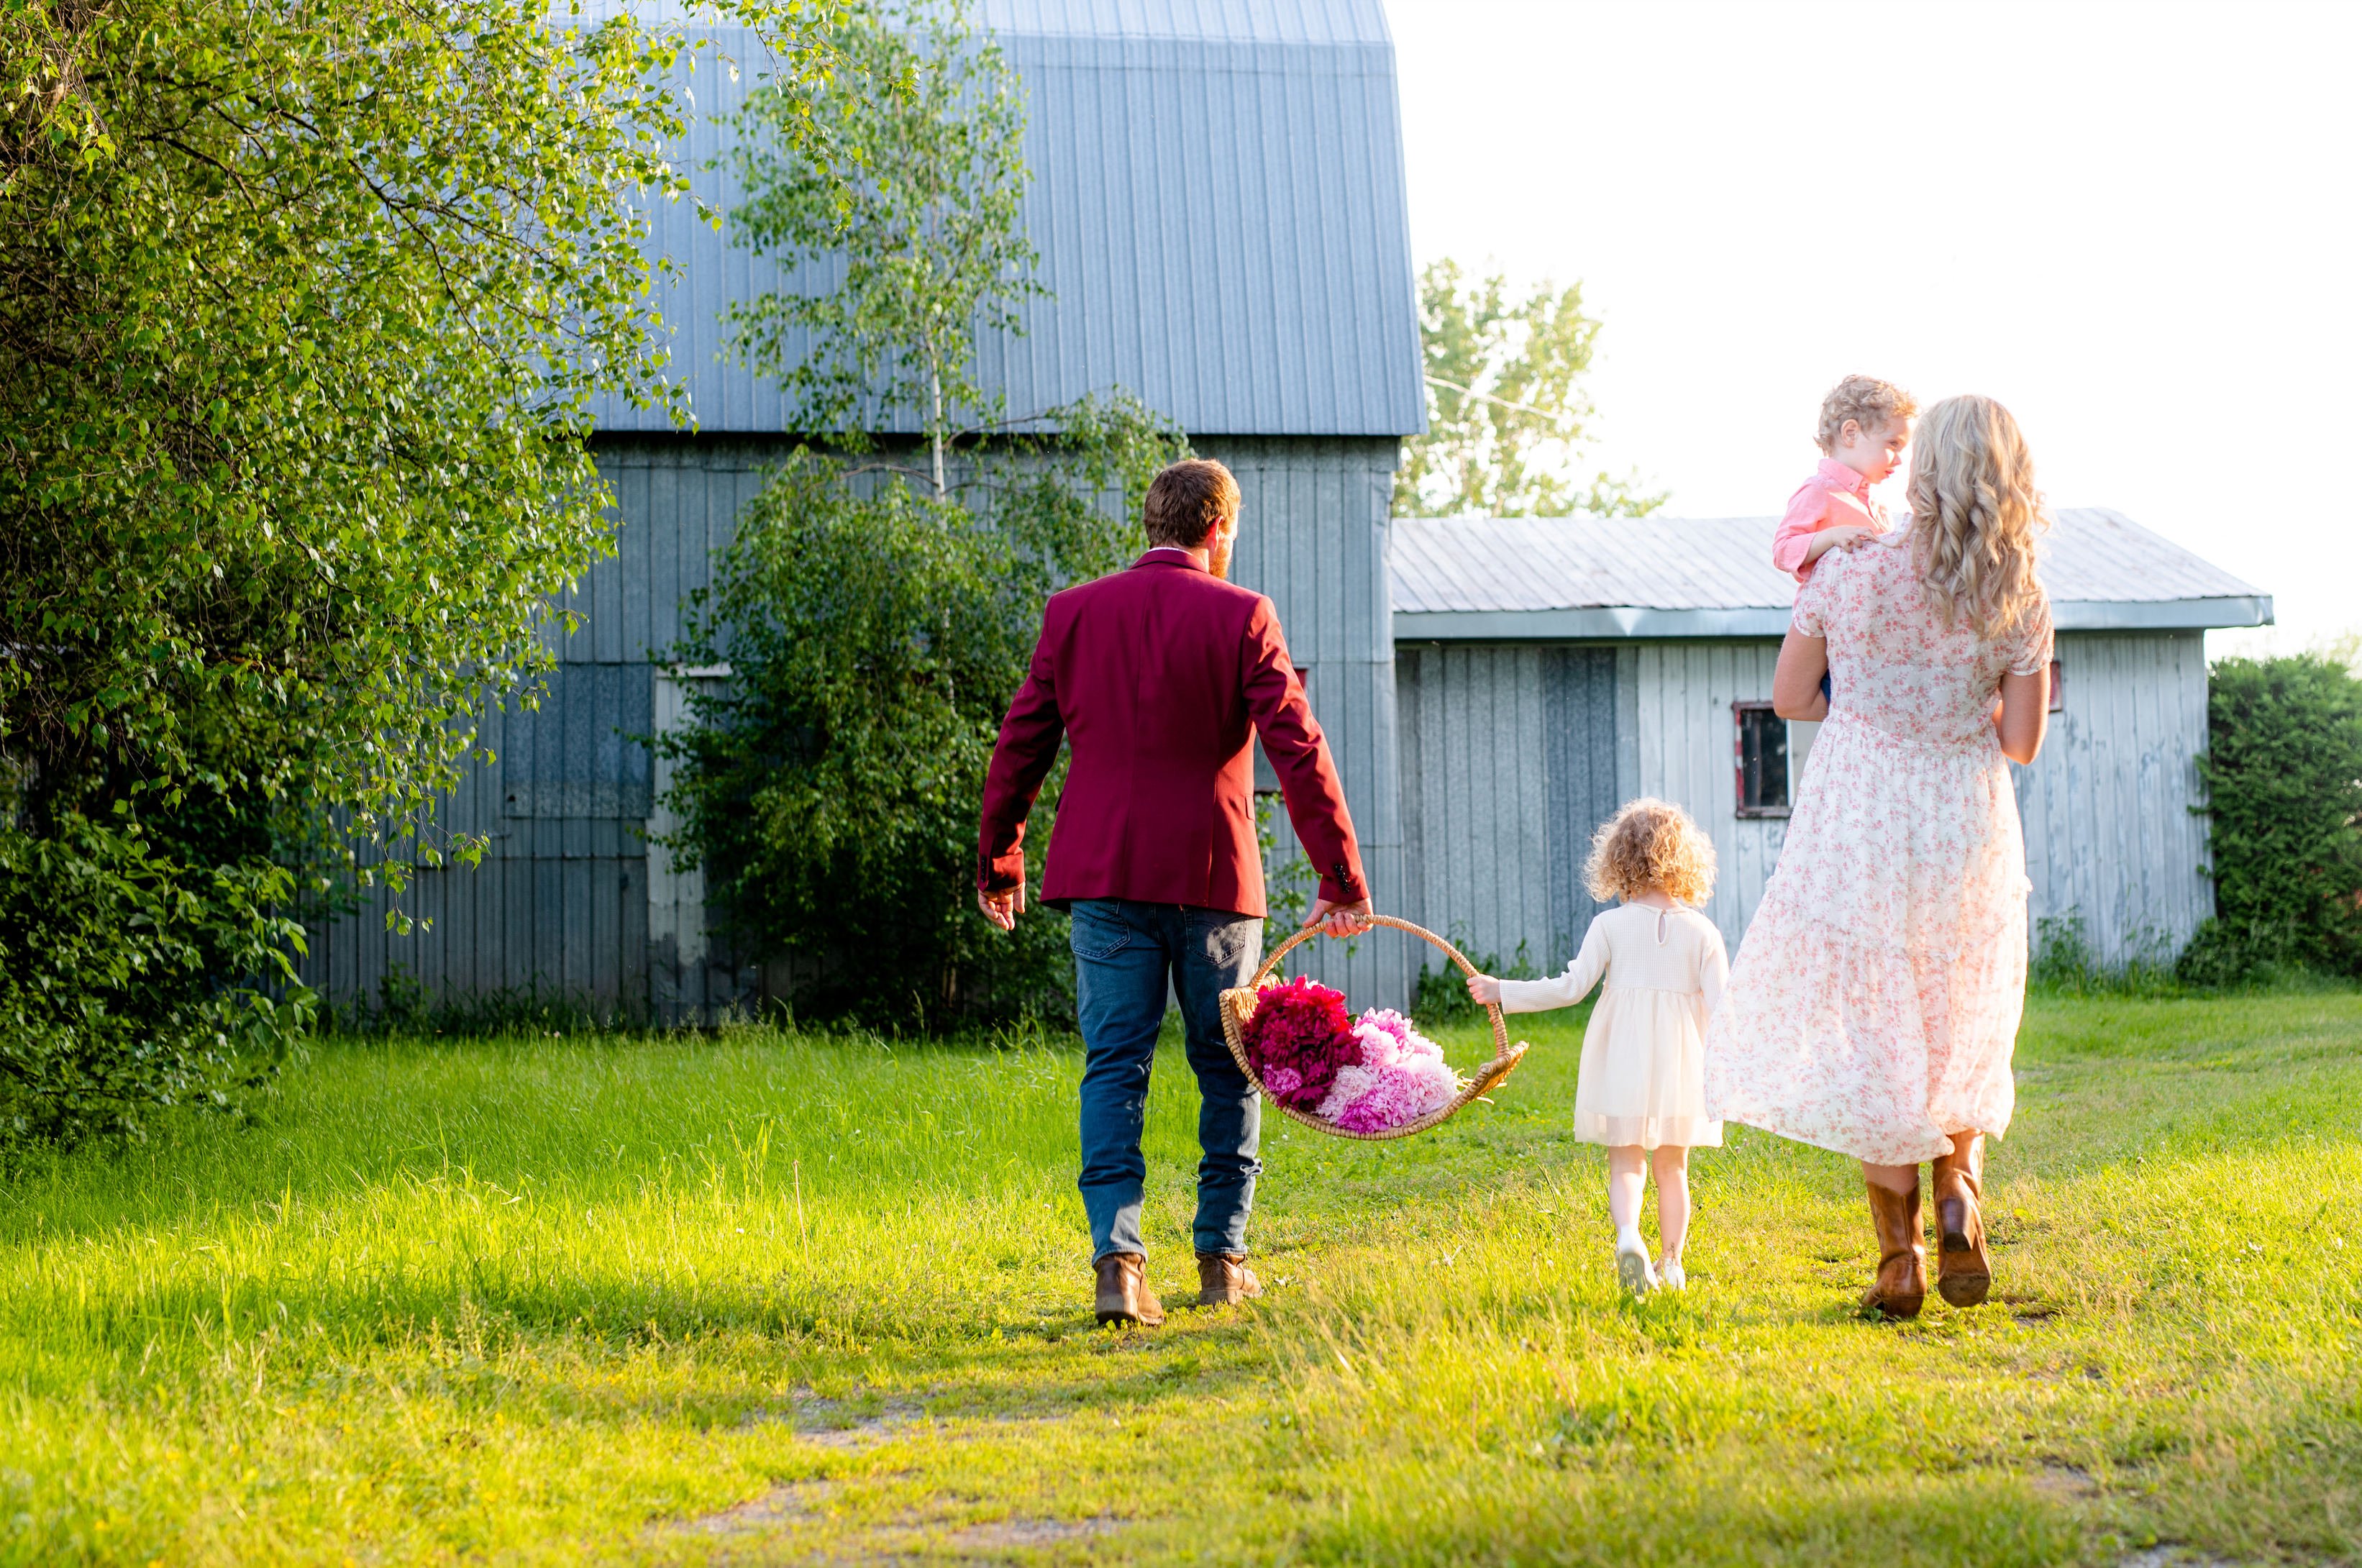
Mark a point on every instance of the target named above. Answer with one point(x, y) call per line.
point(1875, 999)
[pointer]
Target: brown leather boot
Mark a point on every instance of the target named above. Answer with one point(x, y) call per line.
point(1901, 1282)
point(1224, 1279)
point(1124, 1294)
point(1963, 1268)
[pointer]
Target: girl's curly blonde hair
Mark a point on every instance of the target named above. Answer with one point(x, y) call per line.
point(1651, 844)
point(1973, 511)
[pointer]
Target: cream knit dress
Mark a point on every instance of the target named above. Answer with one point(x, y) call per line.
point(1643, 1072)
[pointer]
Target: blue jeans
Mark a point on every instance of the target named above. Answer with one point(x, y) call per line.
point(1124, 951)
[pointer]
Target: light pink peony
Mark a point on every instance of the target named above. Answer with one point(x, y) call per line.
point(1402, 1077)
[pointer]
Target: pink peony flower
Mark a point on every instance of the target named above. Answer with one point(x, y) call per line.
point(1402, 1077)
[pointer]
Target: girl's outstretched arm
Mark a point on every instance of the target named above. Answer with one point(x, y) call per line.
point(1534, 996)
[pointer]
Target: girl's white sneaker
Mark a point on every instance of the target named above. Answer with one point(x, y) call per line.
point(1633, 1271)
point(1669, 1274)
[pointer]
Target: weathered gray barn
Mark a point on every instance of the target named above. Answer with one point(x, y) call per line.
point(1548, 668)
point(1218, 201)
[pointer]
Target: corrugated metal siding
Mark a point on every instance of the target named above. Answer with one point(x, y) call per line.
point(1220, 217)
point(1314, 531)
point(1508, 768)
point(1685, 690)
point(572, 792)
point(2106, 806)
point(2109, 829)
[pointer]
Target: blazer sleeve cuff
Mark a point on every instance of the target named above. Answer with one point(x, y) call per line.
point(998, 874)
point(1343, 884)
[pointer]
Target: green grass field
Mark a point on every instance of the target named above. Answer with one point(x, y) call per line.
point(770, 1299)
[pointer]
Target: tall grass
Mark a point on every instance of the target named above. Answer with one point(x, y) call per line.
point(541, 1299)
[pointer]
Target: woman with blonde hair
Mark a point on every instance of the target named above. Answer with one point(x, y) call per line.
point(1876, 997)
point(1661, 967)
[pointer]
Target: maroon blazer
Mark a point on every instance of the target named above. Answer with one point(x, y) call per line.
point(1154, 675)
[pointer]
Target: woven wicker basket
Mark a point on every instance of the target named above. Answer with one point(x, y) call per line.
point(1238, 1006)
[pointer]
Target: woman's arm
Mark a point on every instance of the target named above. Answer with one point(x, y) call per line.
point(1796, 680)
point(2025, 714)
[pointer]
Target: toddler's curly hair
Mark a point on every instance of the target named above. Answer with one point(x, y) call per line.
point(1867, 402)
point(1651, 844)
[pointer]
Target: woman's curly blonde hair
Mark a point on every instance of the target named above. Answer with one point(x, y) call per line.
point(1651, 844)
point(1974, 511)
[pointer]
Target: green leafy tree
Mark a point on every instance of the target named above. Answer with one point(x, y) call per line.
point(875, 633)
point(1506, 408)
point(913, 184)
point(877, 614)
point(2283, 776)
point(304, 307)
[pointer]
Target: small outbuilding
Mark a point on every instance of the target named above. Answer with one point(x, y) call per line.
point(1548, 668)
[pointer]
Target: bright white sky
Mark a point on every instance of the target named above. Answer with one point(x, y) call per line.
point(2135, 224)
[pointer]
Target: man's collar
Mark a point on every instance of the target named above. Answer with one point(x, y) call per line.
point(1168, 554)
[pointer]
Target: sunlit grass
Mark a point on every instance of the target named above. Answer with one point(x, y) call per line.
point(546, 1300)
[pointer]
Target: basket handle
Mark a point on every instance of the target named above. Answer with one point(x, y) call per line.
point(1492, 1010)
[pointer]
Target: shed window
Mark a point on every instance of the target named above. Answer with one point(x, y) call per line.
point(1761, 753)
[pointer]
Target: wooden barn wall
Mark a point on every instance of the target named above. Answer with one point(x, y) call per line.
point(1511, 758)
point(2109, 829)
point(569, 898)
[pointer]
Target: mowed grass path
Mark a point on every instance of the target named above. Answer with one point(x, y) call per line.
point(770, 1298)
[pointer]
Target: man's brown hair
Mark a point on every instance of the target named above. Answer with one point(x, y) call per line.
point(1186, 499)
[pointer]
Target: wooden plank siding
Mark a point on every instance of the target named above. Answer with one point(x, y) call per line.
point(569, 897)
point(2106, 806)
point(2110, 831)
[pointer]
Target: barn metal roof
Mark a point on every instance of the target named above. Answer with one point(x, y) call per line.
point(1521, 578)
point(1218, 200)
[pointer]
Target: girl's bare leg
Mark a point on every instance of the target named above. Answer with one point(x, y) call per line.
point(1673, 1171)
point(1627, 1170)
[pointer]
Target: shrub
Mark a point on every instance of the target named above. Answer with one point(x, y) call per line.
point(2283, 778)
point(131, 979)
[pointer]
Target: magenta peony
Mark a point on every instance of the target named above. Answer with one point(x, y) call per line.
point(1297, 1040)
point(1365, 1077)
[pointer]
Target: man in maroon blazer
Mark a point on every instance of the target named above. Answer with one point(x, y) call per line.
point(1155, 676)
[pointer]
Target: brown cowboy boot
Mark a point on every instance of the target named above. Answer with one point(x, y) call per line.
point(1224, 1279)
point(1901, 1282)
point(1124, 1294)
point(1963, 1269)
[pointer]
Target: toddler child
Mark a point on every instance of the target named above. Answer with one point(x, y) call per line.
point(1642, 1085)
point(1865, 425)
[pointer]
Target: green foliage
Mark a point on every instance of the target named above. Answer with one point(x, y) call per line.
point(1506, 408)
point(305, 307)
point(1441, 995)
point(128, 979)
point(915, 186)
point(875, 636)
point(2283, 776)
point(2066, 964)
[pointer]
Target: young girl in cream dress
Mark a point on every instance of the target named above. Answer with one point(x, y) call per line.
point(1642, 1085)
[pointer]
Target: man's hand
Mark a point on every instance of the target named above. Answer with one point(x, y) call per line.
point(1339, 920)
point(1002, 909)
point(1483, 990)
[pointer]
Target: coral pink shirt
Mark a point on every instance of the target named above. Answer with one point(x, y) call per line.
point(1835, 496)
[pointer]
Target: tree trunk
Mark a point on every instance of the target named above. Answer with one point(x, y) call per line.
point(935, 382)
